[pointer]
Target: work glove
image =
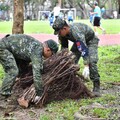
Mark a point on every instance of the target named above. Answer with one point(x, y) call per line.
point(37, 99)
point(86, 72)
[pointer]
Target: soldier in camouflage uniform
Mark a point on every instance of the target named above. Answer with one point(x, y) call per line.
point(85, 44)
point(23, 47)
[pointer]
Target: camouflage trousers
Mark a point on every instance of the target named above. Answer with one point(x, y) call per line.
point(93, 59)
point(11, 70)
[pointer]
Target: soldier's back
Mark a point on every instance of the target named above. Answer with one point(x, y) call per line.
point(21, 45)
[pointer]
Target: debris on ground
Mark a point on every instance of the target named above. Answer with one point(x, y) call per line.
point(60, 78)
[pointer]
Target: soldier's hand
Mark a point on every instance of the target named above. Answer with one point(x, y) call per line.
point(86, 72)
point(37, 99)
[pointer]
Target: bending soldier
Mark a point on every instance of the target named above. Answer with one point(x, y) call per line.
point(26, 48)
point(85, 44)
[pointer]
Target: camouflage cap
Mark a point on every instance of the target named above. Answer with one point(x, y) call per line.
point(57, 25)
point(52, 45)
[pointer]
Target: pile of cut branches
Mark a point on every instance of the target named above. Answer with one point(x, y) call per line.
point(60, 80)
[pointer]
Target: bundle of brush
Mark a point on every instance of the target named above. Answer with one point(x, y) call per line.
point(60, 80)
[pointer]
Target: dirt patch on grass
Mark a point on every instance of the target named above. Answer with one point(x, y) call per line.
point(15, 112)
point(9, 108)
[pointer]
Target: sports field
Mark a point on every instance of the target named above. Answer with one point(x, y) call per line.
point(112, 26)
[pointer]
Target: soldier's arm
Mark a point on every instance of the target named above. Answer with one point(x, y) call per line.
point(37, 67)
point(81, 45)
point(84, 51)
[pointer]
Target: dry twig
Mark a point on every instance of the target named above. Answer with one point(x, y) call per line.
point(60, 81)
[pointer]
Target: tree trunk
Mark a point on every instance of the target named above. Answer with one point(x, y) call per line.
point(83, 10)
point(59, 2)
point(119, 9)
point(18, 17)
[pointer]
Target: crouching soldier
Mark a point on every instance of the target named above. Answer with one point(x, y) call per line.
point(23, 47)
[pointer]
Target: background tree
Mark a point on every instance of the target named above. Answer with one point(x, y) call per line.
point(60, 2)
point(119, 8)
point(18, 17)
point(82, 6)
point(34, 9)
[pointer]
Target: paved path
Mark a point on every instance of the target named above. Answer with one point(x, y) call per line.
point(107, 39)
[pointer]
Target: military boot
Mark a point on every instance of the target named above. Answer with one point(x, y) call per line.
point(96, 88)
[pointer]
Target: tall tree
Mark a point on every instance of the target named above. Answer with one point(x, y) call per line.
point(18, 17)
point(119, 8)
point(60, 1)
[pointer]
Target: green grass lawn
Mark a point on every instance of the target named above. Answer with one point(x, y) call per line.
point(112, 26)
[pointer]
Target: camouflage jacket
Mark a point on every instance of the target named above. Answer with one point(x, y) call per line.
point(79, 34)
point(26, 48)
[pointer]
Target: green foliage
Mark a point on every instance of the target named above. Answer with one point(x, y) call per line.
point(45, 117)
point(102, 113)
point(108, 98)
point(105, 113)
point(4, 7)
